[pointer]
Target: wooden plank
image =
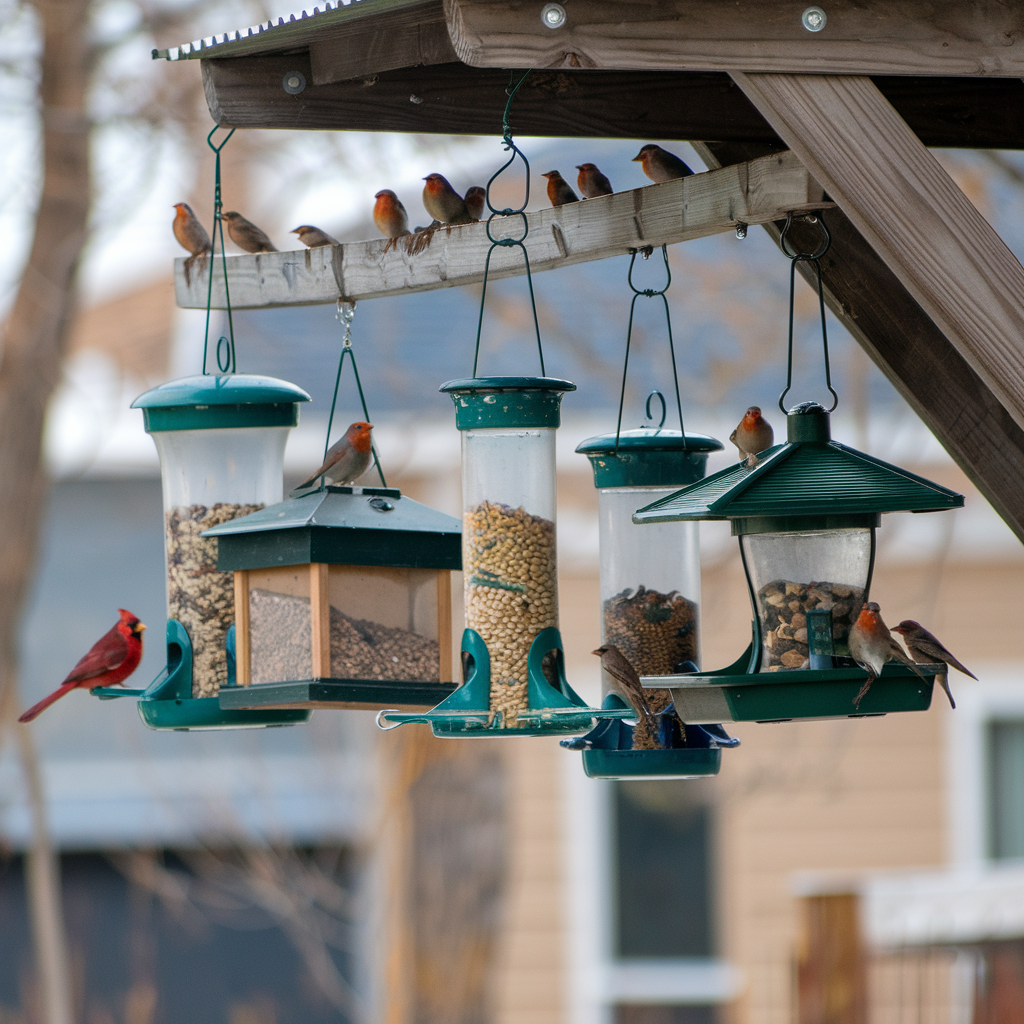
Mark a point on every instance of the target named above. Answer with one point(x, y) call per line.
point(320, 619)
point(246, 92)
point(675, 211)
point(917, 358)
point(243, 648)
point(444, 624)
point(832, 983)
point(860, 37)
point(911, 213)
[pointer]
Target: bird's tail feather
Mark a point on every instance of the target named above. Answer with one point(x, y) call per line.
point(37, 709)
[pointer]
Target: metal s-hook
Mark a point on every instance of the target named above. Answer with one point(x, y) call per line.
point(227, 364)
point(815, 259)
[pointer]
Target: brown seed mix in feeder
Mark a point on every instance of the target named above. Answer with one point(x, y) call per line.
point(783, 609)
point(281, 638)
point(198, 596)
point(511, 583)
point(656, 632)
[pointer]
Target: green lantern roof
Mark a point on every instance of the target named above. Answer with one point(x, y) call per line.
point(810, 482)
point(648, 457)
point(507, 401)
point(206, 402)
point(341, 526)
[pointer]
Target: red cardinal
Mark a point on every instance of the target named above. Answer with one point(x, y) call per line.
point(925, 648)
point(113, 658)
point(753, 435)
point(559, 190)
point(591, 182)
point(475, 200)
point(872, 645)
point(389, 215)
point(443, 203)
point(347, 459)
point(661, 165)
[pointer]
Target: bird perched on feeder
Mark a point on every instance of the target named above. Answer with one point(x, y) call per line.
point(191, 235)
point(753, 435)
point(347, 459)
point(475, 200)
point(313, 237)
point(927, 650)
point(443, 203)
point(872, 645)
point(246, 235)
point(626, 683)
point(389, 215)
point(591, 182)
point(559, 190)
point(112, 659)
point(660, 165)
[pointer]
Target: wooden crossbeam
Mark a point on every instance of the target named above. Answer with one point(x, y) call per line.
point(703, 204)
point(859, 37)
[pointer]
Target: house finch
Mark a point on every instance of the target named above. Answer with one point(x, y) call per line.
point(591, 182)
point(924, 648)
point(347, 459)
point(314, 237)
point(753, 435)
point(626, 683)
point(872, 645)
point(475, 200)
point(112, 659)
point(246, 235)
point(559, 190)
point(389, 215)
point(443, 203)
point(661, 165)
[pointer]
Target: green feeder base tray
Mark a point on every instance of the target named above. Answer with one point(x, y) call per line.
point(349, 694)
point(550, 711)
point(736, 694)
point(651, 764)
point(167, 703)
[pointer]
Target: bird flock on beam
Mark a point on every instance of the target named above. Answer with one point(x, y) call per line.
point(442, 202)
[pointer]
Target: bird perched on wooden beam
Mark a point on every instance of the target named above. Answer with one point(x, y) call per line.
point(191, 235)
point(872, 645)
point(390, 217)
point(926, 649)
point(752, 436)
point(110, 661)
point(313, 237)
point(347, 459)
point(660, 165)
point(443, 203)
point(475, 199)
point(559, 190)
point(246, 235)
point(591, 182)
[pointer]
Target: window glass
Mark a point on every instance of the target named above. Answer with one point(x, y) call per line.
point(1006, 789)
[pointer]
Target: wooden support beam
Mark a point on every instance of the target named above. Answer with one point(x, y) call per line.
point(917, 358)
point(912, 214)
point(247, 92)
point(693, 207)
point(860, 37)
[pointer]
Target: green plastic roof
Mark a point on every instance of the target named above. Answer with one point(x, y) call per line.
point(513, 402)
point(231, 389)
point(649, 439)
point(803, 478)
point(341, 526)
point(648, 457)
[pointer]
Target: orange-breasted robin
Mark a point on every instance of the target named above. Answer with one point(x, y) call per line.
point(246, 235)
point(661, 165)
point(926, 649)
point(872, 645)
point(591, 182)
point(753, 435)
point(559, 190)
point(347, 459)
point(475, 199)
point(389, 215)
point(443, 203)
point(314, 237)
point(189, 232)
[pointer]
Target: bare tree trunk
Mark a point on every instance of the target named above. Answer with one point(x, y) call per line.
point(34, 340)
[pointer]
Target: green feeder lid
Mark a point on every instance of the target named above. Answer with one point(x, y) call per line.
point(648, 457)
point(809, 483)
point(507, 401)
point(341, 526)
point(209, 402)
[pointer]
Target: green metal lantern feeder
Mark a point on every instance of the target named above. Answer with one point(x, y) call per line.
point(221, 442)
point(806, 516)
